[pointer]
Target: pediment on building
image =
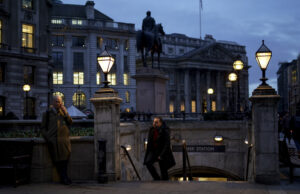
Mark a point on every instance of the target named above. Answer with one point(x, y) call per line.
point(214, 52)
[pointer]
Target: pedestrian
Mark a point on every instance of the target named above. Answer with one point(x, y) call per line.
point(295, 128)
point(55, 130)
point(159, 150)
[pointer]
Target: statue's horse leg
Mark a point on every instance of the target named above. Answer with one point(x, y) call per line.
point(143, 58)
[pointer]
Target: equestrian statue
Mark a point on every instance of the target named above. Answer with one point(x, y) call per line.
point(148, 39)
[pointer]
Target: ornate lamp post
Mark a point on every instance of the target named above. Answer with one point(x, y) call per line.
point(105, 61)
point(210, 92)
point(26, 89)
point(238, 65)
point(263, 56)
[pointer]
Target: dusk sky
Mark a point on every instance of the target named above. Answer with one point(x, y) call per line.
point(246, 22)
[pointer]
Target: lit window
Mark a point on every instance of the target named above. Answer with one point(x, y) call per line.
point(213, 106)
point(127, 96)
point(98, 78)
point(2, 106)
point(182, 107)
point(127, 109)
point(111, 77)
point(79, 100)
point(27, 36)
point(61, 95)
point(171, 107)
point(58, 78)
point(294, 76)
point(56, 21)
point(78, 78)
point(27, 4)
point(193, 106)
point(99, 42)
point(76, 22)
point(126, 79)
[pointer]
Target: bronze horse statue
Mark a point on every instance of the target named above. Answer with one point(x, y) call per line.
point(150, 41)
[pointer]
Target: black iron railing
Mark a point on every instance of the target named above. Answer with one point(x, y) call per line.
point(129, 157)
point(185, 158)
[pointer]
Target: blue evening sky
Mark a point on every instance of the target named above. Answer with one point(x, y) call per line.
point(246, 22)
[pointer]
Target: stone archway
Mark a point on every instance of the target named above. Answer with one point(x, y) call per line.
point(204, 171)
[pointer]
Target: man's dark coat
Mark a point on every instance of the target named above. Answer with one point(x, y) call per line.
point(163, 149)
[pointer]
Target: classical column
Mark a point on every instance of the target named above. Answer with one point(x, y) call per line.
point(68, 61)
point(219, 91)
point(265, 135)
point(187, 104)
point(208, 85)
point(107, 128)
point(198, 91)
point(120, 65)
point(178, 95)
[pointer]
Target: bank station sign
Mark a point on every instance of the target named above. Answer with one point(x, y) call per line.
point(200, 148)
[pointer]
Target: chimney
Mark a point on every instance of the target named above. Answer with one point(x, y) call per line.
point(89, 10)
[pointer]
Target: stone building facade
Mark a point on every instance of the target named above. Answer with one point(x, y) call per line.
point(288, 83)
point(195, 65)
point(24, 57)
point(80, 33)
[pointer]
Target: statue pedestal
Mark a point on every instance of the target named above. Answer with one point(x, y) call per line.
point(150, 90)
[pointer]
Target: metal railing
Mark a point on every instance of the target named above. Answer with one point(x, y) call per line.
point(129, 157)
point(185, 158)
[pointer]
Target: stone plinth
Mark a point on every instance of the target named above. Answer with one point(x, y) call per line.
point(265, 135)
point(151, 90)
point(107, 127)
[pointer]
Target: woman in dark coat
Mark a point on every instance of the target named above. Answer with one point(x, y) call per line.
point(158, 150)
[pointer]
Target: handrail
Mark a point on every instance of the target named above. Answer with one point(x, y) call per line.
point(126, 152)
point(185, 157)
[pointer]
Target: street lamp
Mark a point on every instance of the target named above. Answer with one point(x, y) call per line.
point(238, 65)
point(232, 77)
point(263, 56)
point(105, 61)
point(210, 92)
point(26, 89)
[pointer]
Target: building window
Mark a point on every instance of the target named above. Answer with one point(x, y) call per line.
point(76, 22)
point(181, 51)
point(57, 40)
point(58, 78)
point(294, 76)
point(127, 110)
point(79, 100)
point(182, 107)
point(29, 74)
point(111, 77)
point(111, 43)
point(126, 46)
point(58, 60)
point(78, 78)
point(171, 78)
point(27, 4)
point(99, 42)
point(127, 97)
point(61, 95)
point(56, 21)
point(27, 36)
point(98, 78)
point(126, 79)
point(170, 50)
point(193, 106)
point(213, 106)
point(2, 72)
point(29, 108)
point(78, 41)
point(171, 107)
point(78, 69)
point(2, 106)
